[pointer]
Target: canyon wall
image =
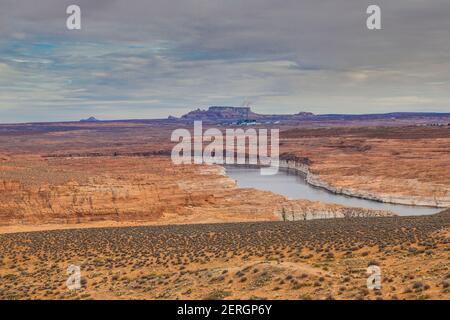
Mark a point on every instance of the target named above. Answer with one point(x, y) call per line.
point(88, 189)
point(78, 190)
point(295, 210)
point(315, 180)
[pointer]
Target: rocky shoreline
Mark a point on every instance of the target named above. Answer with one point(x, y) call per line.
point(316, 181)
point(295, 210)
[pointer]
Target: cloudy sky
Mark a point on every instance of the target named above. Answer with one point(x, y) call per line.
point(154, 58)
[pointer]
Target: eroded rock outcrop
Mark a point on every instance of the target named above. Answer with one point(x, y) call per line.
point(439, 198)
point(88, 189)
point(35, 190)
point(306, 210)
point(77, 190)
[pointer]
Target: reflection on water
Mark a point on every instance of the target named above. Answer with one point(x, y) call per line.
point(294, 186)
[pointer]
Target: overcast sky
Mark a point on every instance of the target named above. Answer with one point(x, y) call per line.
point(154, 58)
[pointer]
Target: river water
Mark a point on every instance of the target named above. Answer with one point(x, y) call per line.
point(294, 186)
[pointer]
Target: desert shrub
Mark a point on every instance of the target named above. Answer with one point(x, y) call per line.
point(217, 295)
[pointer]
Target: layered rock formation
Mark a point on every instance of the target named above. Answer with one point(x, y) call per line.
point(121, 171)
point(78, 190)
point(442, 201)
point(74, 190)
point(296, 210)
point(404, 165)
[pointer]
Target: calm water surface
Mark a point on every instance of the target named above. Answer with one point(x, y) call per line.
point(294, 186)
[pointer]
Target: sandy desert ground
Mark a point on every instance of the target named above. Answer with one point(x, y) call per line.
point(316, 259)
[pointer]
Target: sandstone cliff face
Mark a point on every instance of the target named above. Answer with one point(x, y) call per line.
point(121, 172)
point(306, 210)
point(75, 203)
point(401, 164)
point(404, 164)
point(439, 198)
point(80, 190)
point(127, 189)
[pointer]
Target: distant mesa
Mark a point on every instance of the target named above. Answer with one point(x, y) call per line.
point(240, 114)
point(245, 116)
point(90, 119)
point(220, 113)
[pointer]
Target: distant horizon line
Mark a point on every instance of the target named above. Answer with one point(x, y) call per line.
point(168, 118)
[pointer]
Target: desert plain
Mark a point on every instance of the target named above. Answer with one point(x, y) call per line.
point(105, 196)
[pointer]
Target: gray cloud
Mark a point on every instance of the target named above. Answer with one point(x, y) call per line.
point(147, 58)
